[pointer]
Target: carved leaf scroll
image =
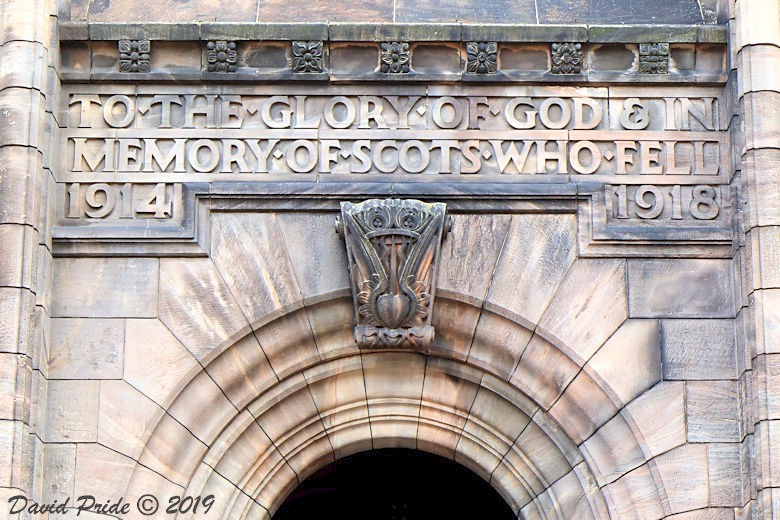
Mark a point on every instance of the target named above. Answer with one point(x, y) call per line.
point(393, 247)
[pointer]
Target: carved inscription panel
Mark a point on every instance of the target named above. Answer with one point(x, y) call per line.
point(660, 153)
point(243, 133)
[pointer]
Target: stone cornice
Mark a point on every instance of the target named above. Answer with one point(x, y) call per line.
point(358, 52)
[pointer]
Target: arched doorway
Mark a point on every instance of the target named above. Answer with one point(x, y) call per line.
point(394, 484)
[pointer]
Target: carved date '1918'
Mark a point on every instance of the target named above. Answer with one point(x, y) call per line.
point(102, 199)
point(649, 202)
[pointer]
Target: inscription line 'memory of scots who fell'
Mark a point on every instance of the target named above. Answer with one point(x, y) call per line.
point(202, 137)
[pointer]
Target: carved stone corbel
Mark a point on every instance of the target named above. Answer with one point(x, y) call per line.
point(393, 249)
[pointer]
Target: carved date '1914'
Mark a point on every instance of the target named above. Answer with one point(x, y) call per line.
point(101, 199)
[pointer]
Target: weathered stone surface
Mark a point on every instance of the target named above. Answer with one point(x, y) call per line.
point(250, 254)
point(455, 323)
point(245, 455)
point(197, 306)
point(394, 383)
point(172, 451)
point(712, 411)
point(635, 495)
point(201, 10)
point(764, 243)
point(72, 411)
point(760, 167)
point(155, 362)
point(202, 408)
point(468, 256)
point(582, 408)
point(588, 306)
point(543, 372)
point(446, 400)
point(766, 306)
point(613, 450)
point(289, 343)
point(755, 26)
point(105, 287)
point(766, 369)
point(332, 324)
point(86, 348)
point(17, 202)
point(17, 256)
point(698, 349)
point(339, 394)
point(12, 367)
point(126, 418)
point(658, 417)
point(22, 111)
point(603, 11)
point(18, 305)
point(317, 254)
point(683, 472)
point(242, 371)
point(289, 416)
point(629, 362)
point(680, 289)
point(530, 271)
point(469, 11)
point(760, 130)
point(723, 463)
point(59, 466)
point(498, 344)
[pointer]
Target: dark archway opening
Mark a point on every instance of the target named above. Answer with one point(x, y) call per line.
point(394, 484)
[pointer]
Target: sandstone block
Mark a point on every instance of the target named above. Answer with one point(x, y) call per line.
point(82, 348)
point(698, 349)
point(72, 411)
point(588, 306)
point(529, 272)
point(197, 306)
point(105, 287)
point(680, 289)
point(712, 411)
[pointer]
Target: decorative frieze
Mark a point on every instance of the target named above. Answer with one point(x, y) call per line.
point(481, 57)
point(307, 56)
point(134, 56)
point(653, 58)
point(221, 56)
point(394, 57)
point(566, 58)
point(393, 248)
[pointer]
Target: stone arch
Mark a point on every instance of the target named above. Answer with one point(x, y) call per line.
point(251, 443)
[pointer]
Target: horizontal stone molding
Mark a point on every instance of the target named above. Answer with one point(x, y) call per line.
point(350, 52)
point(336, 31)
point(599, 234)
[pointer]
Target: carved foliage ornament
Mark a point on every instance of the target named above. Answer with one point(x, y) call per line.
point(221, 56)
point(482, 57)
point(307, 56)
point(393, 249)
point(134, 56)
point(394, 57)
point(566, 58)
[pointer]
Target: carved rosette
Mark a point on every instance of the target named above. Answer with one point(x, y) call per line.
point(134, 56)
point(221, 56)
point(393, 248)
point(307, 56)
point(566, 57)
point(653, 58)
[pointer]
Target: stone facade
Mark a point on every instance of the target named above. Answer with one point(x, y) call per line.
point(565, 279)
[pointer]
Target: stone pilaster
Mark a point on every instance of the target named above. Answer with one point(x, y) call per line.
point(756, 54)
point(28, 88)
